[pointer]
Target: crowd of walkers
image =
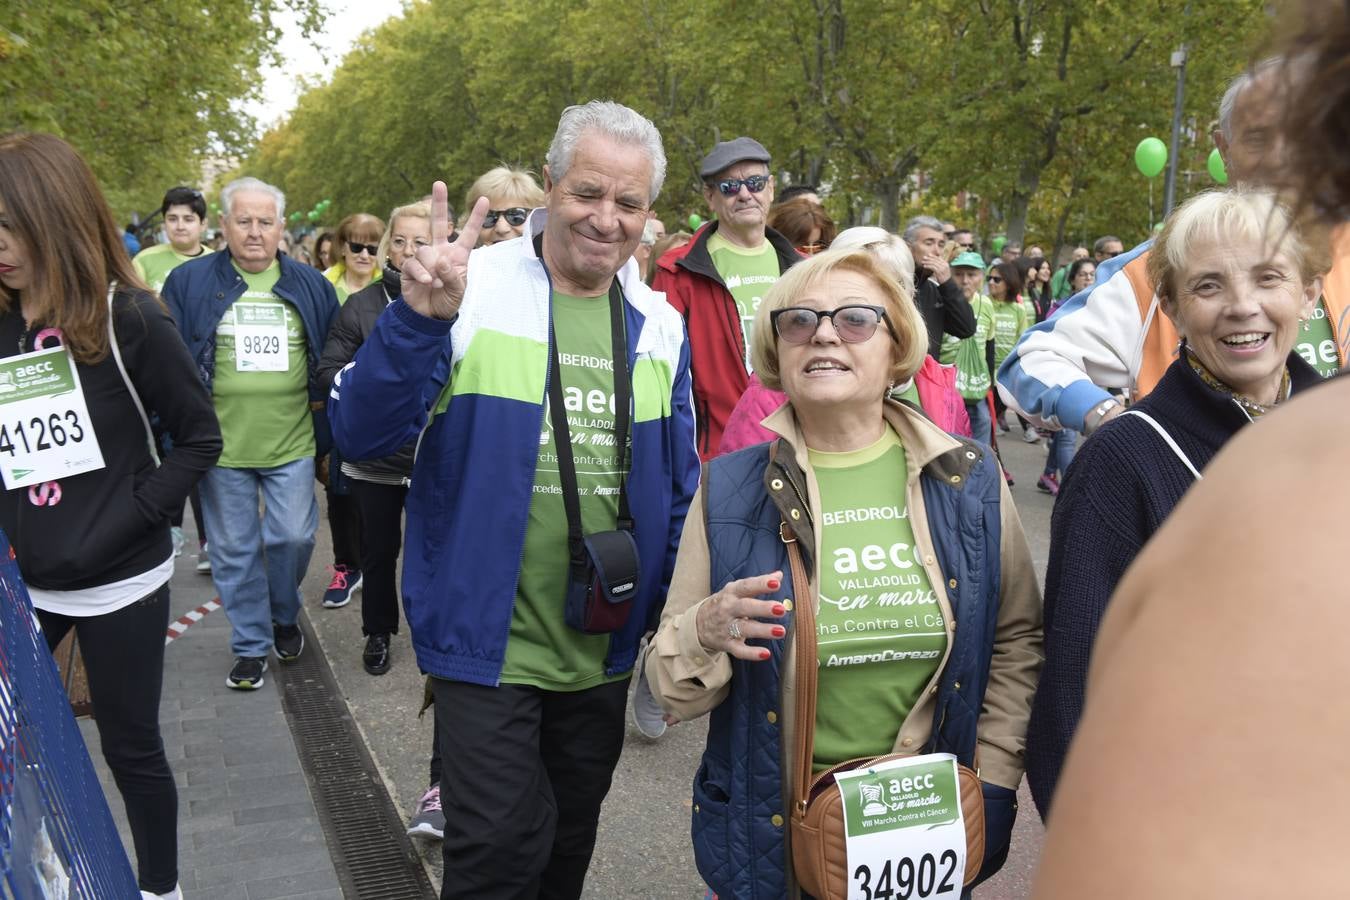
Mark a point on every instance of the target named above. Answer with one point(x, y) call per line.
point(753, 470)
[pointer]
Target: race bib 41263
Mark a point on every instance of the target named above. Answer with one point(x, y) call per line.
point(45, 432)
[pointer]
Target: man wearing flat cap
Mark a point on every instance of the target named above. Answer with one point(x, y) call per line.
point(716, 281)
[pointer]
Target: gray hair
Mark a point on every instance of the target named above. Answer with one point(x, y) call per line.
point(1099, 245)
point(614, 120)
point(913, 225)
point(251, 184)
point(891, 251)
point(1244, 80)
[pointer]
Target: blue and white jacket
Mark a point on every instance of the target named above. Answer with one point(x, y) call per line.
point(469, 499)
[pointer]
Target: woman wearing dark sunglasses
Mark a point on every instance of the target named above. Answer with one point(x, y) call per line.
point(908, 531)
point(511, 194)
point(356, 247)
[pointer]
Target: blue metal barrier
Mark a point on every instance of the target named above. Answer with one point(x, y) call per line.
point(57, 836)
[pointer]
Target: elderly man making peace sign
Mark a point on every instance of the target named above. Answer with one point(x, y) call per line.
point(551, 391)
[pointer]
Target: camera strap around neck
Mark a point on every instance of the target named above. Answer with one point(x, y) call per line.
point(562, 435)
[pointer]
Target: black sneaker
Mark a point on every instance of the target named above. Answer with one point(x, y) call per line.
point(288, 641)
point(247, 674)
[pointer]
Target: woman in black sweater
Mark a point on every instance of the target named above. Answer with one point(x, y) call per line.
point(1237, 279)
point(86, 503)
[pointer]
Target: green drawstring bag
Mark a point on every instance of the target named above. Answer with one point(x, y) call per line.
point(972, 370)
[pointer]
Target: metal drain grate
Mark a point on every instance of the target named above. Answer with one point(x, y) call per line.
point(370, 849)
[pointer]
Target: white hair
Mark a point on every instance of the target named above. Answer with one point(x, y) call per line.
point(649, 232)
point(912, 227)
point(1244, 80)
point(614, 120)
point(890, 250)
point(251, 184)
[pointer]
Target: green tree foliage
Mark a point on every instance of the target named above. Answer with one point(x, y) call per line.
point(144, 90)
point(1026, 110)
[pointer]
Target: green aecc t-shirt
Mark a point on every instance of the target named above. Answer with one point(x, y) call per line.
point(1317, 342)
point(748, 275)
point(261, 386)
point(880, 632)
point(542, 650)
point(155, 263)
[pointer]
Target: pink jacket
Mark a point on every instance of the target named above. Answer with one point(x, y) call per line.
point(935, 382)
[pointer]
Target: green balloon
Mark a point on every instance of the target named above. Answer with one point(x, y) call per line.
point(999, 243)
point(1217, 170)
point(695, 220)
point(312, 215)
point(1150, 156)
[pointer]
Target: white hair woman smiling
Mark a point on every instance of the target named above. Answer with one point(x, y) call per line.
point(1238, 279)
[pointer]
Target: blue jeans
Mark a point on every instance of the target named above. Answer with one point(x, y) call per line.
point(1062, 445)
point(981, 423)
point(258, 560)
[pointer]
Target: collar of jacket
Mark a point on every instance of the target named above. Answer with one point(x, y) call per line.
point(392, 281)
point(699, 261)
point(937, 453)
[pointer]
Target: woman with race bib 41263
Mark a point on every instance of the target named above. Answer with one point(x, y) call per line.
point(86, 504)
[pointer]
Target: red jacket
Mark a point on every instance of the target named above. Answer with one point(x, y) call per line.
point(716, 343)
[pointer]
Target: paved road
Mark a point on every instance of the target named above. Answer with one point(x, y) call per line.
point(643, 849)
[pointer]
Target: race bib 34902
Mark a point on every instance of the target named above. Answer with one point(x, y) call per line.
point(904, 829)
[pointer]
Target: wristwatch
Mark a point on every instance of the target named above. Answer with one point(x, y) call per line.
point(1094, 417)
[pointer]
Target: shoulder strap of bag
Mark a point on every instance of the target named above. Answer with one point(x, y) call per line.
point(1162, 432)
point(126, 379)
point(562, 436)
point(804, 685)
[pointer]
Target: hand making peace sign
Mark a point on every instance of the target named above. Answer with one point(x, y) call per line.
point(433, 279)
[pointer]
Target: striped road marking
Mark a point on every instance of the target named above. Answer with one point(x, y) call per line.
point(176, 629)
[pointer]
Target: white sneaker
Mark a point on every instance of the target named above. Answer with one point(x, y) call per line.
point(177, 534)
point(647, 713)
point(1030, 435)
point(175, 894)
point(203, 562)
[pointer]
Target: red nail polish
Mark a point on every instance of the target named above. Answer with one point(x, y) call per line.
point(763, 654)
point(773, 585)
point(779, 631)
point(779, 610)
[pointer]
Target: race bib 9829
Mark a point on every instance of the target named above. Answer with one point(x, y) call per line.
point(45, 432)
point(260, 340)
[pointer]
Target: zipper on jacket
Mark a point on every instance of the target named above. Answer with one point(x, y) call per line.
point(543, 415)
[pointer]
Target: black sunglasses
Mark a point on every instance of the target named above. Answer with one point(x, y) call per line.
point(730, 187)
point(994, 279)
point(515, 216)
point(853, 323)
point(356, 247)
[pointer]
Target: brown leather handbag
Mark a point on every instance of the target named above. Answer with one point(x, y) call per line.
point(819, 853)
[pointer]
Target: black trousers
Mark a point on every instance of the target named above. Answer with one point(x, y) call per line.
point(176, 520)
point(524, 772)
point(124, 658)
point(381, 508)
point(344, 519)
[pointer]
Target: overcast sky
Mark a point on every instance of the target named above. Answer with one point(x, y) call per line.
point(344, 25)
